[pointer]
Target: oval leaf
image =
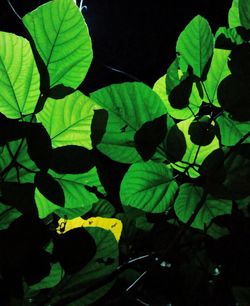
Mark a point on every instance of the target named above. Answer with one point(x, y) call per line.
point(20, 80)
point(62, 40)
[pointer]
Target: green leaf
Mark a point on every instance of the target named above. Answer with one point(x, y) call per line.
point(20, 80)
point(226, 38)
point(189, 196)
point(195, 154)
point(244, 12)
point(217, 72)
point(7, 215)
point(195, 44)
point(102, 264)
point(130, 105)
point(24, 172)
point(232, 131)
point(62, 39)
point(68, 120)
point(148, 186)
point(76, 195)
point(51, 280)
point(194, 101)
point(234, 15)
point(103, 208)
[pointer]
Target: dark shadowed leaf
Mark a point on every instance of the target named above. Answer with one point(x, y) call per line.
point(20, 196)
point(244, 13)
point(233, 96)
point(179, 96)
point(50, 188)
point(72, 159)
point(201, 131)
point(175, 144)
point(74, 249)
point(11, 129)
point(149, 136)
point(39, 146)
point(239, 63)
point(98, 126)
point(60, 91)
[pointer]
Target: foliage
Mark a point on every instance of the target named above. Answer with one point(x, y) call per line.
point(186, 143)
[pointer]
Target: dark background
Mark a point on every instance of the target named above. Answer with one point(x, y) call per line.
point(137, 37)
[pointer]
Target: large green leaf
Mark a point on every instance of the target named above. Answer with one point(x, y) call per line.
point(217, 72)
point(20, 80)
point(234, 15)
point(244, 12)
point(68, 120)
point(130, 105)
point(24, 169)
point(195, 44)
point(148, 186)
point(76, 195)
point(232, 131)
point(102, 264)
point(62, 39)
point(187, 112)
point(195, 154)
point(189, 196)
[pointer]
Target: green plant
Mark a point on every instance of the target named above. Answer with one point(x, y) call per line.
point(186, 141)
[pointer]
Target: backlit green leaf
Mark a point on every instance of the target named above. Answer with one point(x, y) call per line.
point(76, 195)
point(234, 15)
point(232, 131)
point(217, 72)
point(19, 77)
point(68, 120)
point(62, 40)
point(189, 196)
point(244, 12)
point(148, 186)
point(195, 44)
point(195, 154)
point(130, 105)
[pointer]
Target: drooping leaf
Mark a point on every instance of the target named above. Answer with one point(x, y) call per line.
point(102, 264)
point(148, 186)
point(76, 195)
point(232, 131)
point(72, 159)
point(217, 72)
point(244, 12)
point(195, 44)
point(130, 105)
point(68, 120)
point(189, 196)
point(62, 40)
point(194, 154)
point(74, 249)
point(20, 81)
point(234, 15)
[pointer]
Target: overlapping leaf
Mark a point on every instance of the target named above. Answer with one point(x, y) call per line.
point(68, 120)
point(187, 200)
point(20, 80)
point(130, 105)
point(62, 40)
point(195, 44)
